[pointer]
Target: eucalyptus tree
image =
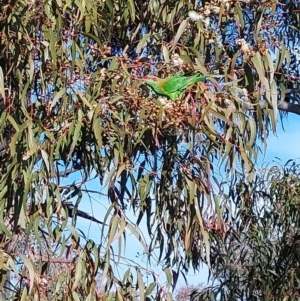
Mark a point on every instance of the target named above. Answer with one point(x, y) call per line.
point(258, 257)
point(72, 100)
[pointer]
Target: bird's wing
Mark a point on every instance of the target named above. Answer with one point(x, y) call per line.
point(178, 83)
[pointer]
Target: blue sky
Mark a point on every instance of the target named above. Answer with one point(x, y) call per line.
point(285, 145)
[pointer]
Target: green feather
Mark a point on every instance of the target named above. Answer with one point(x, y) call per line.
point(172, 86)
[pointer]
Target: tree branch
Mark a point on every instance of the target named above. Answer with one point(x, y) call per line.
point(289, 107)
point(282, 105)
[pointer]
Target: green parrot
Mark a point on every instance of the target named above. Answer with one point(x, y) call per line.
point(172, 86)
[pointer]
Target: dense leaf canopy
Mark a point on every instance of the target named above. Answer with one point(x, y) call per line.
point(72, 99)
point(258, 259)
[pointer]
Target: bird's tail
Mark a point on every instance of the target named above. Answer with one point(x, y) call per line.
point(202, 77)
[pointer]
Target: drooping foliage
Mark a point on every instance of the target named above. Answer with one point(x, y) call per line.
point(72, 100)
point(258, 257)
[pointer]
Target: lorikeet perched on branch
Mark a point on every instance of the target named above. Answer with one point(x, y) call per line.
point(172, 86)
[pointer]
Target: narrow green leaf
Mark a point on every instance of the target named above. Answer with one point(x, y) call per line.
point(13, 123)
point(75, 296)
point(258, 20)
point(112, 231)
point(131, 8)
point(150, 288)
point(24, 294)
point(179, 33)
point(166, 54)
point(30, 268)
point(45, 159)
point(3, 192)
point(122, 224)
point(75, 138)
point(142, 43)
point(207, 246)
point(281, 57)
point(106, 266)
point(240, 15)
point(84, 99)
point(31, 68)
point(274, 98)
point(56, 97)
point(78, 272)
point(134, 231)
point(169, 277)
point(271, 67)
point(252, 129)
point(169, 296)
point(141, 285)
point(2, 91)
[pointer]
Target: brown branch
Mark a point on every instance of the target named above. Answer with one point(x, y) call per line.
point(282, 104)
point(289, 107)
